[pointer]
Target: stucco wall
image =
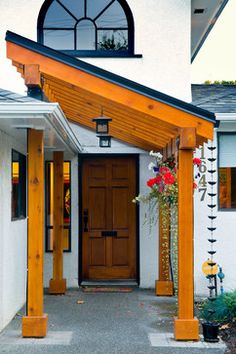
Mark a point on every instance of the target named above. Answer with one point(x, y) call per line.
point(225, 224)
point(162, 36)
point(13, 240)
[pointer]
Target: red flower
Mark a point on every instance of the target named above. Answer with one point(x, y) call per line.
point(169, 178)
point(163, 169)
point(151, 182)
point(194, 185)
point(197, 161)
point(158, 180)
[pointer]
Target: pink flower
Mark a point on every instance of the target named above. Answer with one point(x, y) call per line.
point(197, 161)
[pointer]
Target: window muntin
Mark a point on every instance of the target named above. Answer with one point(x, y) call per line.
point(67, 206)
point(18, 177)
point(102, 26)
point(227, 170)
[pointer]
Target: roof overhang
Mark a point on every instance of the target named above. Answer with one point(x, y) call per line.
point(140, 116)
point(16, 118)
point(204, 14)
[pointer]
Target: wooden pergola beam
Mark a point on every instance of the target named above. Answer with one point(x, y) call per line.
point(34, 324)
point(57, 284)
point(106, 89)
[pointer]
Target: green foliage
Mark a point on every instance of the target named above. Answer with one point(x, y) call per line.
point(112, 43)
point(220, 82)
point(220, 310)
point(230, 300)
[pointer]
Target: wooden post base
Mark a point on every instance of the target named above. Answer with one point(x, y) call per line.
point(35, 326)
point(57, 286)
point(164, 288)
point(186, 329)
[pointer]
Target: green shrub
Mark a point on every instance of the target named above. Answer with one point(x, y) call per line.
point(222, 309)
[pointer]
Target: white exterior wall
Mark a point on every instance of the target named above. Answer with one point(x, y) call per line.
point(224, 234)
point(162, 36)
point(13, 240)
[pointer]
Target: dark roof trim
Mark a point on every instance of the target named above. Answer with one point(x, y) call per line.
point(209, 28)
point(108, 76)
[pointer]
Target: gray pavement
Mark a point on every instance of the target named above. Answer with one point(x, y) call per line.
point(106, 323)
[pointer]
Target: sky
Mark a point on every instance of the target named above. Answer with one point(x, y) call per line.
point(216, 60)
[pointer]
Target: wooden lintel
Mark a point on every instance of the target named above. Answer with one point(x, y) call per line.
point(187, 138)
point(32, 75)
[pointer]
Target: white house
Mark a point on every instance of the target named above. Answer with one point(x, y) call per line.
point(134, 67)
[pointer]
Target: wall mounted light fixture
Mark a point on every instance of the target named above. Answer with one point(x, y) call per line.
point(102, 130)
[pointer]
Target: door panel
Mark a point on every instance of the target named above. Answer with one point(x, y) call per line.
point(109, 240)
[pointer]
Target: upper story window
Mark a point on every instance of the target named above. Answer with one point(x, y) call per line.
point(227, 170)
point(87, 27)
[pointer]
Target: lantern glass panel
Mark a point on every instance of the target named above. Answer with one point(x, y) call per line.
point(102, 127)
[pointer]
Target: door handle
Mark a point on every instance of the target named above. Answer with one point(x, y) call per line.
point(85, 220)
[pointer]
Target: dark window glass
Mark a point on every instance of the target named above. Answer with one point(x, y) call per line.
point(58, 39)
point(80, 26)
point(94, 8)
point(75, 7)
point(112, 17)
point(85, 35)
point(58, 17)
point(227, 170)
point(227, 176)
point(18, 185)
point(50, 208)
point(112, 39)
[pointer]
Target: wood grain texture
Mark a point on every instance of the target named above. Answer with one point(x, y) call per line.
point(185, 235)
point(35, 222)
point(35, 326)
point(100, 91)
point(57, 284)
point(32, 75)
point(109, 185)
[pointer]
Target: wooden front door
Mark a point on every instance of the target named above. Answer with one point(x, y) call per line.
point(109, 218)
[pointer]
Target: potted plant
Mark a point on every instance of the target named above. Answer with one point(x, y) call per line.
point(216, 311)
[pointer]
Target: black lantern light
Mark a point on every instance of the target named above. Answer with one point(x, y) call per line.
point(102, 130)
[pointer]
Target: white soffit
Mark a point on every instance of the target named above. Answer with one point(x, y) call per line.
point(204, 14)
point(16, 117)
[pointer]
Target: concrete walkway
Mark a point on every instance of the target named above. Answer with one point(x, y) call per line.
point(106, 323)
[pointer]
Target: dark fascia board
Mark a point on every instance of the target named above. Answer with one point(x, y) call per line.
point(110, 77)
point(208, 30)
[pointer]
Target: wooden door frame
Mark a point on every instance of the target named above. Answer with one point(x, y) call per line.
point(81, 158)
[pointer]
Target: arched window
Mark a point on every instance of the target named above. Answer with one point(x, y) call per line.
point(87, 27)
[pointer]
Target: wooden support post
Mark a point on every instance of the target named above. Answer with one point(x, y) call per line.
point(57, 284)
point(164, 286)
point(34, 324)
point(186, 326)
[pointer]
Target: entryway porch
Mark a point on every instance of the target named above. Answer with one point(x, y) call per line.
point(106, 323)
